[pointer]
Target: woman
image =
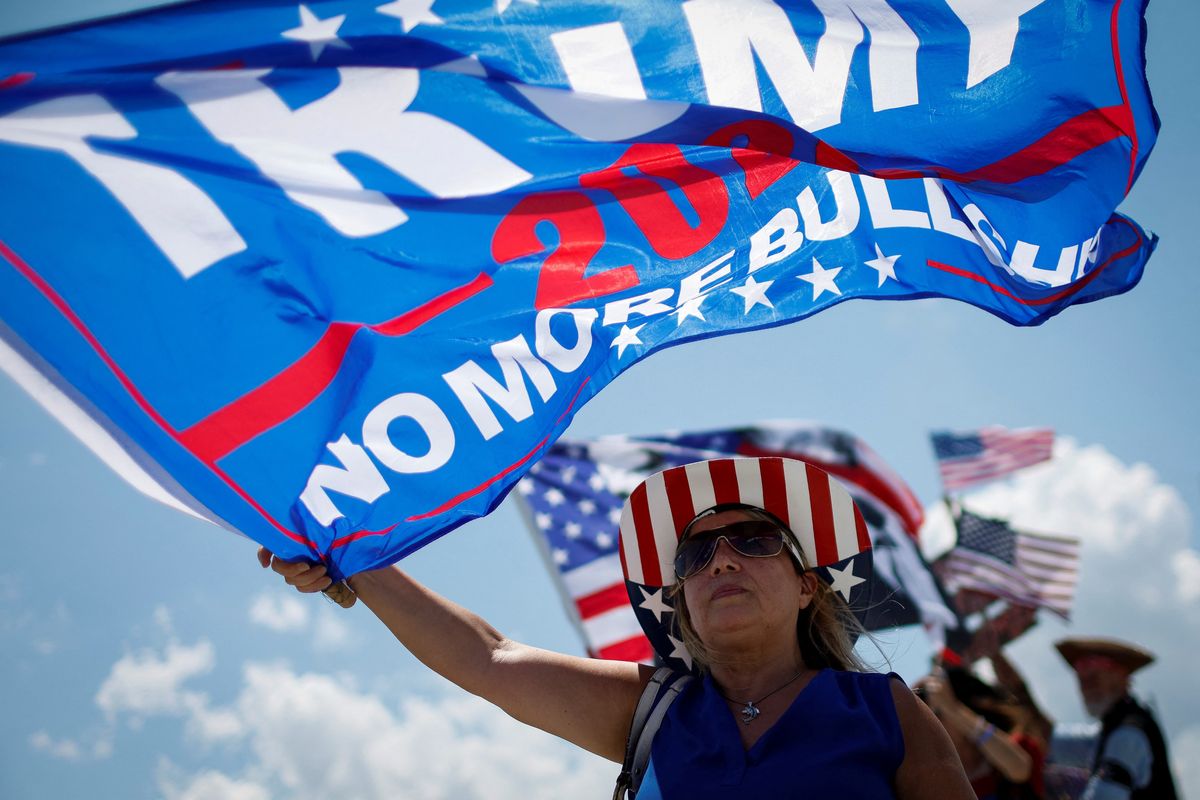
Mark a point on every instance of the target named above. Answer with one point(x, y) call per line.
point(781, 710)
point(1002, 759)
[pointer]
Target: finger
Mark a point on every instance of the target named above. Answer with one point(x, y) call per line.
point(290, 569)
point(307, 576)
point(318, 584)
point(264, 557)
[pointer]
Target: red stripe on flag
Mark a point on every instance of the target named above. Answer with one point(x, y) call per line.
point(774, 487)
point(647, 552)
point(469, 493)
point(411, 320)
point(275, 401)
point(1070, 139)
point(16, 79)
point(1059, 146)
point(724, 480)
point(1120, 70)
point(679, 496)
point(635, 648)
point(135, 394)
point(822, 516)
point(458, 498)
point(602, 600)
point(354, 537)
point(290, 391)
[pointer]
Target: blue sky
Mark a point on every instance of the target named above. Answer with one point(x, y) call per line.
point(147, 655)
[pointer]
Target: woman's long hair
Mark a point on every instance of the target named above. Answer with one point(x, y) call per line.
point(825, 630)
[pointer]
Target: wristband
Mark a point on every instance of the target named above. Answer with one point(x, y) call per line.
point(341, 593)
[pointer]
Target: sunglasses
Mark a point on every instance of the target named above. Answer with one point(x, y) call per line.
point(751, 538)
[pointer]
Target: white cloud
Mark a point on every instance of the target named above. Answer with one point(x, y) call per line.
point(310, 735)
point(458, 747)
point(145, 683)
point(282, 613)
point(206, 785)
point(73, 749)
point(66, 749)
point(162, 618)
point(207, 724)
point(1139, 581)
point(332, 632)
point(304, 734)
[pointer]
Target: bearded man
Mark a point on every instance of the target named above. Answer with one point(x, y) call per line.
point(1131, 761)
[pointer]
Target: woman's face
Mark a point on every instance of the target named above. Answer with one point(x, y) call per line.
point(738, 597)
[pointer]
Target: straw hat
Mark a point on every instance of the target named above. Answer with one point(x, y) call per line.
point(1129, 656)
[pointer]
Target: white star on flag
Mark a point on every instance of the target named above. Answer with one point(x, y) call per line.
point(614, 516)
point(691, 308)
point(844, 580)
point(596, 482)
point(525, 486)
point(411, 13)
point(319, 33)
point(653, 603)
point(884, 265)
point(754, 293)
point(554, 497)
point(568, 475)
point(626, 337)
point(822, 279)
point(542, 519)
point(502, 5)
point(587, 507)
point(679, 651)
point(560, 556)
point(604, 540)
point(573, 530)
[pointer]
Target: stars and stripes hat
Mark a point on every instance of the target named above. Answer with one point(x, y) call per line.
point(819, 512)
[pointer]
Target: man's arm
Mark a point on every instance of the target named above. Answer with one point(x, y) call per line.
point(1125, 765)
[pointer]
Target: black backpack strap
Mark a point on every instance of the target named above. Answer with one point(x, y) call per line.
point(647, 717)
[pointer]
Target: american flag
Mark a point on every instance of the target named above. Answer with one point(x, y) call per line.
point(569, 502)
point(572, 502)
point(965, 459)
point(1024, 568)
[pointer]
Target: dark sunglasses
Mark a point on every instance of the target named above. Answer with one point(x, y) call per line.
point(753, 538)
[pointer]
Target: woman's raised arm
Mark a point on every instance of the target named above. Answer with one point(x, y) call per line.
point(586, 701)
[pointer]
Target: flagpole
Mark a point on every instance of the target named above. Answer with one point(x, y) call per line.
point(940, 657)
point(539, 541)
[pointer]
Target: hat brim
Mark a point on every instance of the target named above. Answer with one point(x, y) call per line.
point(1127, 655)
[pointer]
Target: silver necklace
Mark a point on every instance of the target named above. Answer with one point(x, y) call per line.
point(750, 710)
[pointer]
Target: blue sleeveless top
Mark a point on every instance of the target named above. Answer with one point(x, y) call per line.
point(840, 738)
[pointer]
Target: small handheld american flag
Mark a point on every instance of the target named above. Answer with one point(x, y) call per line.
point(967, 458)
point(1024, 568)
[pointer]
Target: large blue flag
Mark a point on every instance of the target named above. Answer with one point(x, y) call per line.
point(334, 274)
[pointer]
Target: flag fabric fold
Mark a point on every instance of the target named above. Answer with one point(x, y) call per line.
point(335, 274)
point(573, 498)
